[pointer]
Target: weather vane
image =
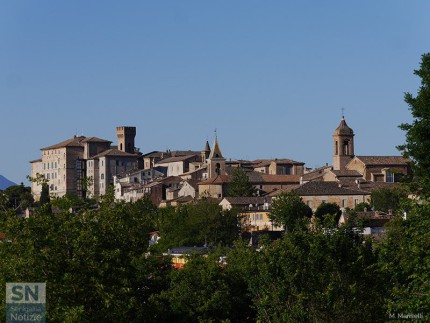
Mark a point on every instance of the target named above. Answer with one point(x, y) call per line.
point(343, 113)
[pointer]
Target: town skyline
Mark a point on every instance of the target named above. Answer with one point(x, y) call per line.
point(272, 79)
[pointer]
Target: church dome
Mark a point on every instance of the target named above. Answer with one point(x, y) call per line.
point(343, 129)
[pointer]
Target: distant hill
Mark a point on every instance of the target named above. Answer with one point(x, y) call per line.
point(5, 183)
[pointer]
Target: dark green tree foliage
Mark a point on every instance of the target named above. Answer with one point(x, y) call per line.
point(405, 258)
point(92, 261)
point(386, 199)
point(289, 210)
point(240, 185)
point(328, 209)
point(196, 225)
point(417, 144)
point(314, 276)
point(206, 291)
point(360, 207)
point(44, 195)
point(16, 197)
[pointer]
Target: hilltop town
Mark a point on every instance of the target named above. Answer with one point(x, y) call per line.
point(88, 166)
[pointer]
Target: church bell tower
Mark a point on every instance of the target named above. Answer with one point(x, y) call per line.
point(343, 140)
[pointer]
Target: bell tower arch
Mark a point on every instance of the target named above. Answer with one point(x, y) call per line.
point(343, 141)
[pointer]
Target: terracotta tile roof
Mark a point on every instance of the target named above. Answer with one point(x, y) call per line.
point(316, 173)
point(36, 161)
point(171, 180)
point(276, 192)
point(281, 179)
point(327, 188)
point(220, 179)
point(373, 219)
point(176, 159)
point(114, 152)
point(72, 142)
point(367, 185)
point(346, 173)
point(246, 200)
point(156, 154)
point(267, 162)
point(384, 160)
point(257, 177)
point(177, 153)
point(95, 139)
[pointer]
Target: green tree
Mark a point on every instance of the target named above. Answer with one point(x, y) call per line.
point(240, 185)
point(93, 261)
point(405, 258)
point(196, 225)
point(315, 276)
point(417, 144)
point(206, 291)
point(386, 199)
point(360, 207)
point(289, 210)
point(331, 209)
point(18, 197)
point(42, 181)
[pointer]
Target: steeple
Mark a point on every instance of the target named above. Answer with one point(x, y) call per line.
point(343, 140)
point(216, 151)
point(205, 152)
point(216, 161)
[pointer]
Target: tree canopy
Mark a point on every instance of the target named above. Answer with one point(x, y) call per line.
point(288, 210)
point(240, 185)
point(417, 144)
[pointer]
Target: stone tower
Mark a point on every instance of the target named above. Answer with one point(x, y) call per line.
point(343, 140)
point(216, 162)
point(126, 137)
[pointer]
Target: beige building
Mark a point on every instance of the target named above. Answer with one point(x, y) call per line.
point(280, 167)
point(68, 165)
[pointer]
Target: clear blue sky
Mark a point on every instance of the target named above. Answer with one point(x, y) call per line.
point(271, 76)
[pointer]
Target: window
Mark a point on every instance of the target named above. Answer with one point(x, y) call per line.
point(218, 168)
point(102, 176)
point(343, 203)
point(309, 203)
point(355, 202)
point(346, 147)
point(389, 177)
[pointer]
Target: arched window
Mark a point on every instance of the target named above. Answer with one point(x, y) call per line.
point(346, 147)
point(218, 168)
